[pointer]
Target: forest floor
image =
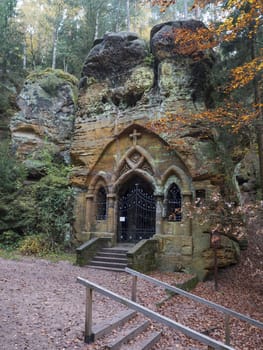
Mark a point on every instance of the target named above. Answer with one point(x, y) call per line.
point(42, 306)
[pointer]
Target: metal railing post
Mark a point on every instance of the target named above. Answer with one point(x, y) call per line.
point(134, 288)
point(227, 329)
point(89, 336)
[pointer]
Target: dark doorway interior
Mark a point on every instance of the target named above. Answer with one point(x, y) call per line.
point(136, 211)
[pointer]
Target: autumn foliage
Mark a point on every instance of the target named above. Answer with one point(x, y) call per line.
point(241, 18)
point(241, 96)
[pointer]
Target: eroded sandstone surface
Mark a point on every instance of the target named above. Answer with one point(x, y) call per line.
point(115, 128)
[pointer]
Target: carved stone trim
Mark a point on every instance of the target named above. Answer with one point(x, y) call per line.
point(124, 169)
point(135, 157)
point(146, 167)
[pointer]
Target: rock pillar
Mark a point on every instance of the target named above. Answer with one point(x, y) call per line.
point(159, 211)
point(187, 199)
point(89, 211)
point(111, 212)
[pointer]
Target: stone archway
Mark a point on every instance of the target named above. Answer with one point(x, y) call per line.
point(136, 214)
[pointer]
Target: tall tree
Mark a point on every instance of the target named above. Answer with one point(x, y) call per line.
point(37, 31)
point(10, 42)
point(57, 19)
point(128, 17)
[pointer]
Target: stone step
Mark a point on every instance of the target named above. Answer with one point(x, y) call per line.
point(116, 269)
point(107, 326)
point(109, 259)
point(146, 343)
point(130, 334)
point(114, 250)
point(102, 264)
point(112, 254)
point(114, 259)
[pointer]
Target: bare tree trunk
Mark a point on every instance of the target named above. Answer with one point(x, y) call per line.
point(259, 132)
point(260, 149)
point(32, 51)
point(185, 9)
point(58, 24)
point(118, 16)
point(65, 65)
point(128, 17)
point(96, 34)
point(55, 44)
point(259, 121)
point(197, 12)
point(24, 56)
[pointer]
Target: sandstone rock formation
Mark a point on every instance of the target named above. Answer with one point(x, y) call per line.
point(189, 78)
point(113, 57)
point(122, 95)
point(145, 93)
point(47, 105)
point(117, 136)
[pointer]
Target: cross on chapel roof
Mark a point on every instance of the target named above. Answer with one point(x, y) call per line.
point(134, 136)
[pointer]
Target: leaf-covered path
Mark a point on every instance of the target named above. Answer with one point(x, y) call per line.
point(42, 306)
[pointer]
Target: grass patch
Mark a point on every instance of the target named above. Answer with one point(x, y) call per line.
point(15, 254)
point(12, 254)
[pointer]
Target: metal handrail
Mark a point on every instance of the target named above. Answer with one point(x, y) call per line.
point(180, 291)
point(214, 344)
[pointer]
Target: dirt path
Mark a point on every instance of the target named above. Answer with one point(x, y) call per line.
point(42, 306)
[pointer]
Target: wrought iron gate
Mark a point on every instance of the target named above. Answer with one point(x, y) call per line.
point(136, 214)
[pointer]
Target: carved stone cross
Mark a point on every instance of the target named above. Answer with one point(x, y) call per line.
point(134, 136)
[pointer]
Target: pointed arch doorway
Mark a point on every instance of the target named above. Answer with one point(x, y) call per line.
point(136, 211)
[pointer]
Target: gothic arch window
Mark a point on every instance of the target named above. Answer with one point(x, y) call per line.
point(101, 204)
point(174, 203)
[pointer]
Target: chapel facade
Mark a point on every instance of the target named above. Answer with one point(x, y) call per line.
point(134, 180)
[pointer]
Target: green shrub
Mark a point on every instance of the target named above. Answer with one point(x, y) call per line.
point(45, 206)
point(55, 212)
point(33, 245)
point(54, 202)
point(12, 172)
point(9, 239)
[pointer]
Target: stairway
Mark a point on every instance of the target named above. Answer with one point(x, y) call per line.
point(113, 259)
point(126, 331)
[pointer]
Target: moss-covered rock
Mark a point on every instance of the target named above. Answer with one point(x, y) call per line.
point(47, 105)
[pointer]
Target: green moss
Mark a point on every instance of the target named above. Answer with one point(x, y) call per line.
point(91, 81)
point(149, 60)
point(58, 73)
point(51, 79)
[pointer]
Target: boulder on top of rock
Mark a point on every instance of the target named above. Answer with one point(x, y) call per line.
point(183, 62)
point(178, 38)
point(113, 57)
